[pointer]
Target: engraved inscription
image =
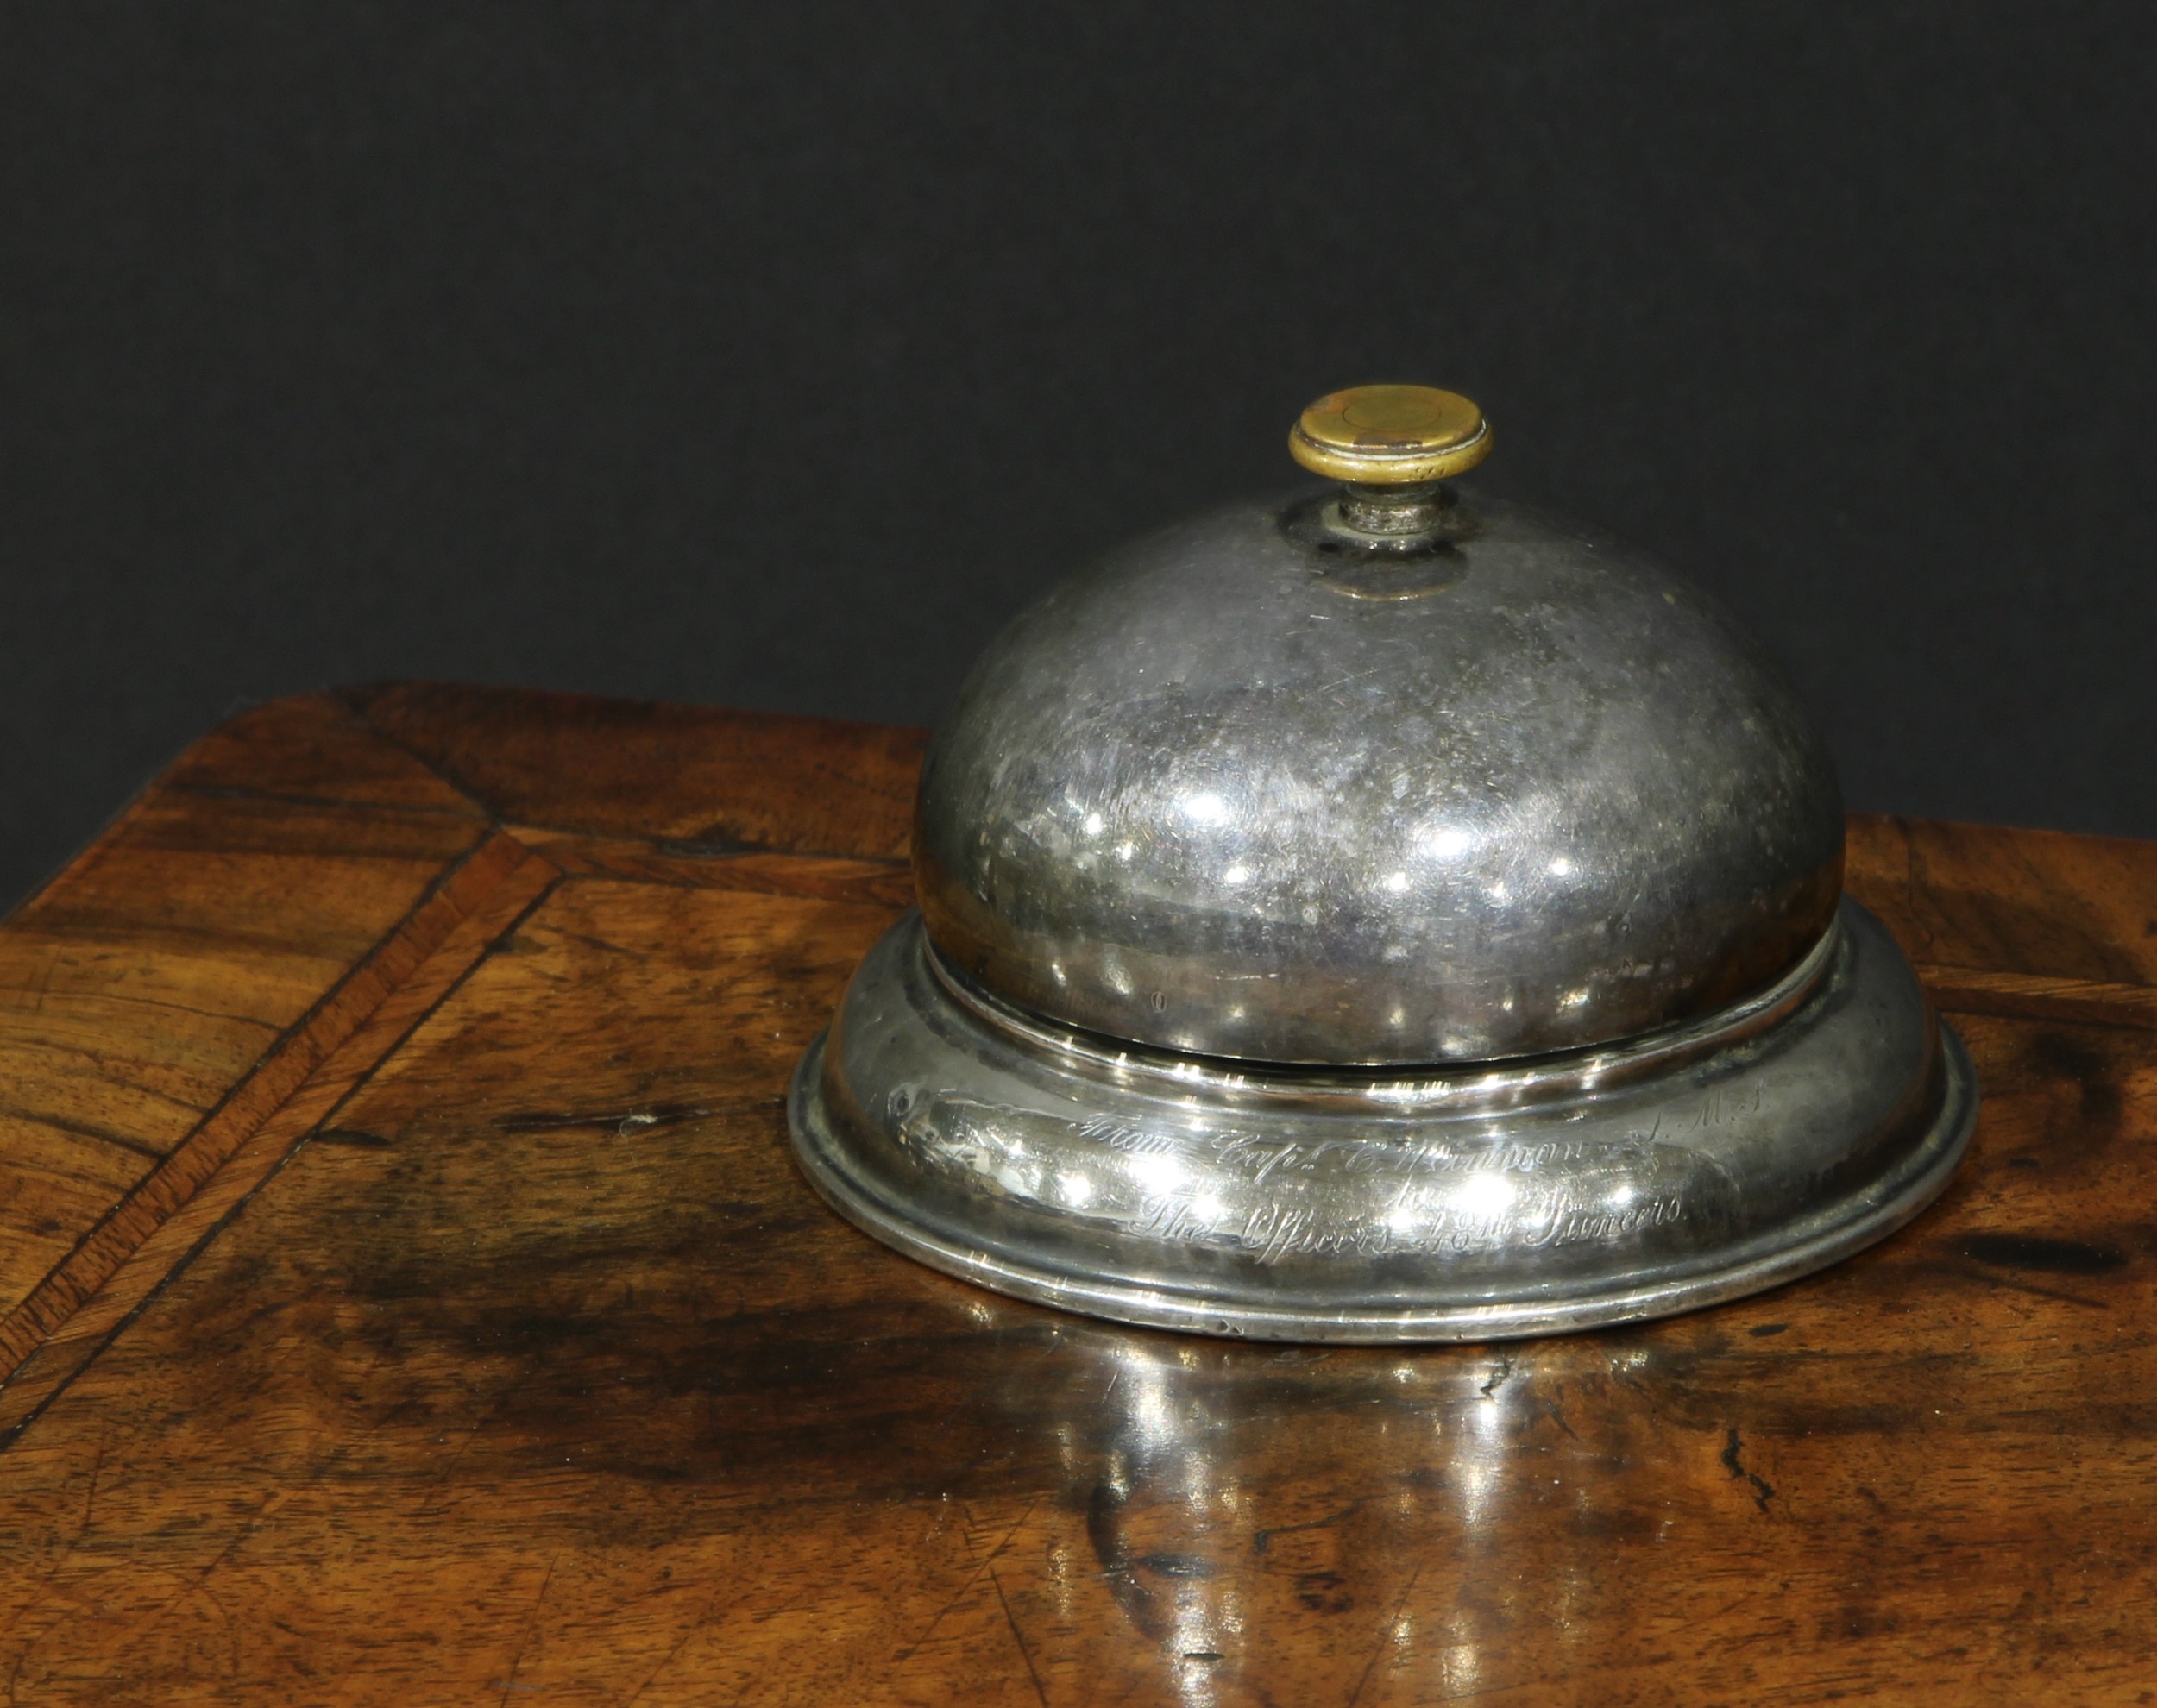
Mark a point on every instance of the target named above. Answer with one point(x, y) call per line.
point(1726, 1106)
point(1363, 1195)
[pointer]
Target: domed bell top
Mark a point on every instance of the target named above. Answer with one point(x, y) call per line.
point(1388, 772)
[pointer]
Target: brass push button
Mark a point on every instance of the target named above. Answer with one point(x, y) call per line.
point(1391, 435)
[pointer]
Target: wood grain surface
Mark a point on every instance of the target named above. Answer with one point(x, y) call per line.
point(407, 1296)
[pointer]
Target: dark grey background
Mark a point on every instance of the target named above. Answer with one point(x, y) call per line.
point(775, 353)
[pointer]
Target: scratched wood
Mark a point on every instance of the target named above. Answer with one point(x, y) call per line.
point(501, 1355)
point(191, 942)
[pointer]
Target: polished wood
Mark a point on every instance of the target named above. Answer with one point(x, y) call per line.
point(407, 1296)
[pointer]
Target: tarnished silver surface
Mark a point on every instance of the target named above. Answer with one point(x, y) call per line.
point(1692, 1163)
point(1246, 790)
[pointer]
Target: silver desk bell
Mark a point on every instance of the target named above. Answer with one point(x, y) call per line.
point(1385, 914)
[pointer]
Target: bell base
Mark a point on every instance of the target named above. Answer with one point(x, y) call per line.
point(1487, 1201)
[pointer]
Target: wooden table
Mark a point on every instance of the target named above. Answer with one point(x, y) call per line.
point(407, 1296)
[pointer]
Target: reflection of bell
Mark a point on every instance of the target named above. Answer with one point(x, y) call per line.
point(1387, 914)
